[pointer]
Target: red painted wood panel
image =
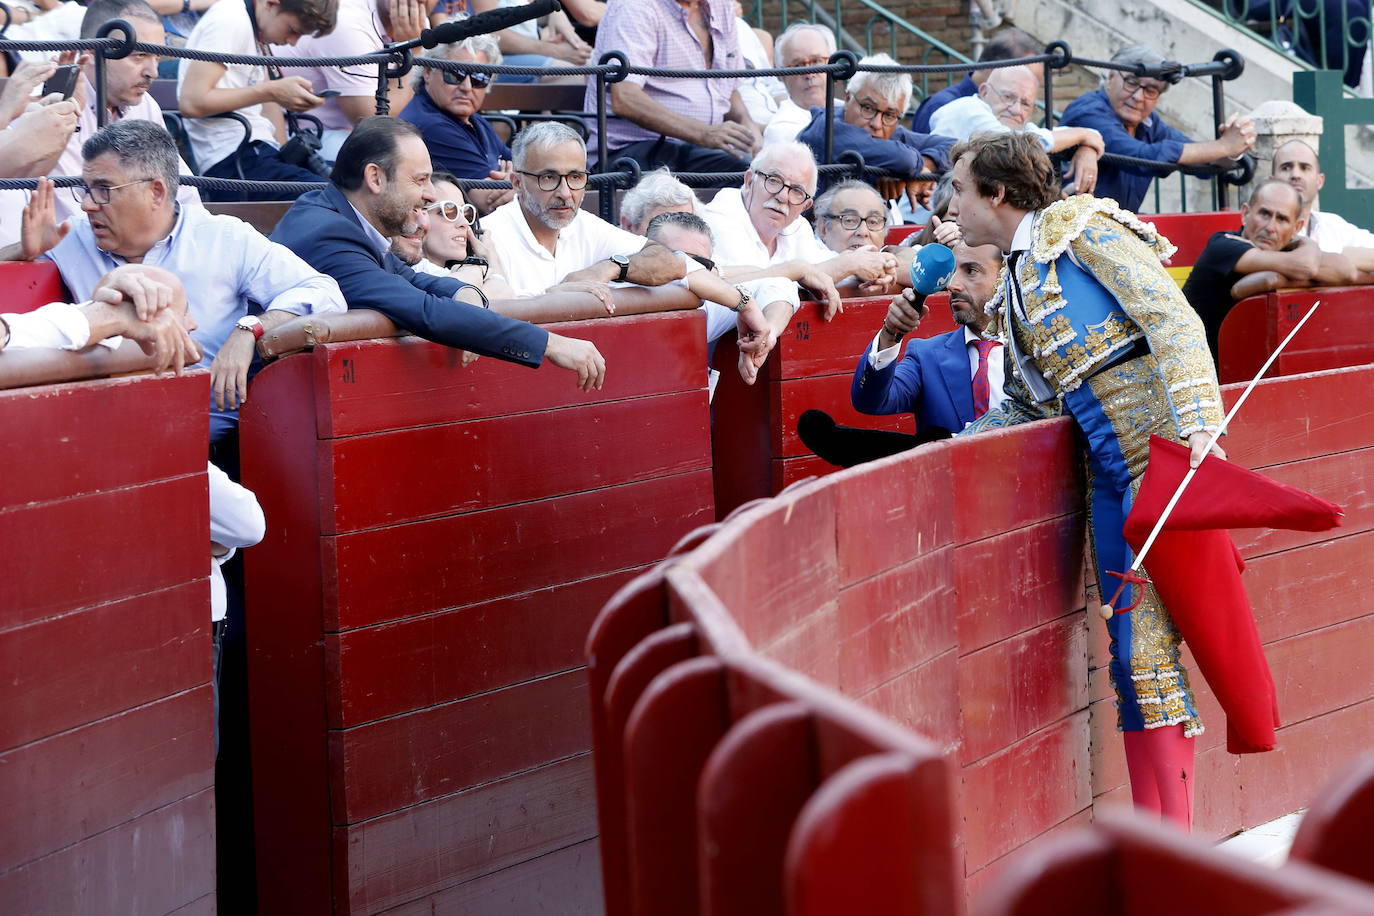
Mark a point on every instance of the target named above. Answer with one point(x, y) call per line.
point(42, 539)
point(1022, 791)
point(1043, 467)
point(812, 346)
point(977, 883)
point(71, 786)
point(1325, 341)
point(66, 426)
point(387, 479)
point(1189, 232)
point(371, 386)
point(1301, 417)
point(923, 699)
point(1322, 670)
point(1022, 684)
point(69, 670)
point(1301, 590)
point(411, 664)
point(484, 555)
point(1246, 339)
point(559, 882)
point(787, 471)
point(884, 519)
point(30, 284)
point(419, 756)
point(156, 863)
point(830, 393)
point(1346, 479)
point(442, 844)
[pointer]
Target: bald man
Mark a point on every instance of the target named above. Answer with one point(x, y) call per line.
point(1296, 163)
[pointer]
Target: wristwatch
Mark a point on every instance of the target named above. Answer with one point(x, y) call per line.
point(252, 324)
point(744, 298)
point(623, 262)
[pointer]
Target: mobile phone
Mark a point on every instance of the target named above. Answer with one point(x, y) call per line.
point(328, 93)
point(63, 82)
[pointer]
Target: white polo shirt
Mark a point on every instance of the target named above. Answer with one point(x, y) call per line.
point(531, 268)
point(1334, 233)
point(225, 27)
point(737, 242)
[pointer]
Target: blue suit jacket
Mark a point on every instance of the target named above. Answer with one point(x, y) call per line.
point(323, 229)
point(932, 381)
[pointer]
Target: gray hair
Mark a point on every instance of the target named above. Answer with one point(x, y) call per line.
point(542, 135)
point(827, 200)
point(475, 44)
point(787, 150)
point(795, 29)
point(1135, 54)
point(689, 221)
point(885, 85)
point(141, 146)
point(656, 189)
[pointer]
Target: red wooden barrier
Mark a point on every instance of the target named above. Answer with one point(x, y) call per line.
point(754, 428)
point(1332, 338)
point(419, 715)
point(1335, 829)
point(106, 734)
point(29, 285)
point(943, 589)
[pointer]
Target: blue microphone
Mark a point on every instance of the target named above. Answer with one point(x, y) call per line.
point(931, 270)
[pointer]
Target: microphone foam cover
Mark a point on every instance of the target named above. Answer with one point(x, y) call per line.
point(932, 268)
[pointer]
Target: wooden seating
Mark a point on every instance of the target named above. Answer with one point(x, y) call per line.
point(262, 215)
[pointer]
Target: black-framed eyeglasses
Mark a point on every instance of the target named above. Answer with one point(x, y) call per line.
point(868, 110)
point(1148, 90)
point(547, 181)
point(451, 210)
point(704, 262)
point(773, 183)
point(100, 193)
point(478, 80)
point(850, 220)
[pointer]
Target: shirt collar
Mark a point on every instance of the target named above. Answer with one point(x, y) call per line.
point(378, 240)
point(157, 252)
point(1022, 238)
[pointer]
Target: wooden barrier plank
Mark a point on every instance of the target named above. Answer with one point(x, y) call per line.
point(462, 467)
point(1322, 670)
point(53, 458)
point(566, 881)
point(812, 346)
point(73, 785)
point(1300, 417)
point(419, 756)
point(793, 397)
point(1300, 590)
point(442, 844)
point(411, 664)
point(878, 527)
point(485, 555)
point(1021, 791)
point(69, 670)
point(787, 471)
point(29, 285)
point(1346, 479)
point(156, 863)
point(42, 539)
point(977, 883)
point(408, 382)
point(1009, 583)
point(1189, 232)
point(1325, 341)
point(1044, 463)
point(1245, 340)
point(809, 643)
point(908, 699)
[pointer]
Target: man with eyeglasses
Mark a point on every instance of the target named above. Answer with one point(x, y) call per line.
point(131, 216)
point(802, 44)
point(1122, 110)
point(446, 107)
point(545, 237)
point(868, 124)
point(1006, 101)
point(851, 216)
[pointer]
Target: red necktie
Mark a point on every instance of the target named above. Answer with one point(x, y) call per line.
point(982, 389)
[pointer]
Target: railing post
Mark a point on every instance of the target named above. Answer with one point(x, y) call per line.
point(102, 113)
point(850, 62)
point(622, 65)
point(386, 72)
point(628, 173)
point(1063, 57)
point(1235, 66)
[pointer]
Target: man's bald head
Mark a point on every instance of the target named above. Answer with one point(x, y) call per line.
point(1296, 163)
point(1011, 93)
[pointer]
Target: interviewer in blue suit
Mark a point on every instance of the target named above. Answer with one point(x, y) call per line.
point(937, 378)
point(380, 182)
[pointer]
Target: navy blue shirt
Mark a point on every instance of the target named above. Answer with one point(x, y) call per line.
point(920, 121)
point(465, 150)
point(901, 154)
point(1153, 139)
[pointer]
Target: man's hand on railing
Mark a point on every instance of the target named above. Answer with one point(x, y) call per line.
point(1081, 176)
point(581, 356)
point(1238, 135)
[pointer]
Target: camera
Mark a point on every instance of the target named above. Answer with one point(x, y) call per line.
point(303, 150)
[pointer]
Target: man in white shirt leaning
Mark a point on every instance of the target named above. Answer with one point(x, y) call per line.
point(1296, 163)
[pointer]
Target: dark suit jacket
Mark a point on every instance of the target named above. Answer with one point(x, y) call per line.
point(323, 229)
point(932, 380)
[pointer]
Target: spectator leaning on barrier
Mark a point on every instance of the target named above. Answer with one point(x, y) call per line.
point(361, 27)
point(206, 89)
point(446, 107)
point(544, 234)
point(1008, 44)
point(657, 192)
point(1006, 101)
point(869, 125)
point(1269, 253)
point(130, 176)
point(1296, 163)
point(380, 181)
point(1123, 111)
point(689, 125)
point(802, 44)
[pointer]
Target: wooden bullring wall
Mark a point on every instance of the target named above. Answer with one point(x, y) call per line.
point(418, 706)
point(943, 588)
point(106, 716)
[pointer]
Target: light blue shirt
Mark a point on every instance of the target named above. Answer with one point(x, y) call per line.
point(224, 265)
point(379, 241)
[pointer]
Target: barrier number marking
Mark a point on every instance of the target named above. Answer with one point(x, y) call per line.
point(803, 330)
point(349, 374)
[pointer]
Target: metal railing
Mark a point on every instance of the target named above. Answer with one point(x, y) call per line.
point(1325, 34)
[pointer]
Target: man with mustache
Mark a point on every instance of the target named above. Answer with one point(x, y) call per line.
point(1269, 253)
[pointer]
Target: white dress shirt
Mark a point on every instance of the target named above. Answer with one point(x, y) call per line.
point(789, 120)
point(962, 118)
point(738, 242)
point(1334, 233)
point(55, 326)
point(881, 359)
point(531, 268)
point(765, 291)
point(236, 521)
point(226, 28)
point(760, 94)
point(223, 263)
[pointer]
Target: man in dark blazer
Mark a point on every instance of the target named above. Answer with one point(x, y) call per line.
point(947, 381)
point(380, 182)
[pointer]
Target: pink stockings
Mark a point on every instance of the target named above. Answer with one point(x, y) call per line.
point(1160, 761)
